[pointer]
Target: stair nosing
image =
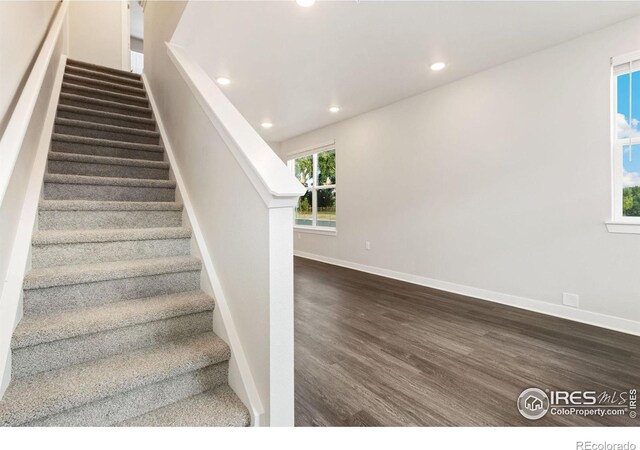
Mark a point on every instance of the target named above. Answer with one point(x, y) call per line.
point(107, 84)
point(239, 412)
point(96, 74)
point(58, 237)
point(100, 142)
point(46, 277)
point(101, 101)
point(107, 160)
point(103, 69)
point(135, 368)
point(112, 115)
point(44, 328)
point(132, 98)
point(56, 178)
point(105, 127)
point(107, 205)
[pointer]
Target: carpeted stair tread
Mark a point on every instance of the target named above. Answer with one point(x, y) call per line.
point(100, 102)
point(51, 237)
point(107, 181)
point(115, 270)
point(104, 69)
point(104, 127)
point(219, 407)
point(66, 247)
point(98, 113)
point(117, 96)
point(108, 214)
point(39, 329)
point(107, 160)
point(106, 143)
point(89, 205)
point(52, 392)
point(95, 74)
point(106, 85)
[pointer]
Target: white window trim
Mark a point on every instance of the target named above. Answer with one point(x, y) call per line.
point(306, 151)
point(327, 231)
point(312, 150)
point(618, 222)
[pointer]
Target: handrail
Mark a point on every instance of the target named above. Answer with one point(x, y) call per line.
point(13, 137)
point(270, 177)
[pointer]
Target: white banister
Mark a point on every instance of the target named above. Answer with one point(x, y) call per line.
point(269, 176)
point(257, 408)
point(239, 198)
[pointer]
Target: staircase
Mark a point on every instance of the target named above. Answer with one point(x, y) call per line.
point(116, 330)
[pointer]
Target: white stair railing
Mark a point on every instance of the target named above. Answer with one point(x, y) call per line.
point(239, 197)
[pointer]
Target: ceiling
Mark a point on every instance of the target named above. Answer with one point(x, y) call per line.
point(289, 64)
point(137, 20)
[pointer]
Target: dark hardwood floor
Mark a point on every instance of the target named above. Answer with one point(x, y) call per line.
point(372, 351)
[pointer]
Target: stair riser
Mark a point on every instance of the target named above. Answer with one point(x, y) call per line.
point(105, 134)
point(117, 88)
point(104, 77)
point(116, 152)
point(105, 108)
point(102, 69)
point(107, 170)
point(53, 355)
point(63, 191)
point(58, 298)
point(104, 95)
point(79, 220)
point(140, 401)
point(96, 252)
point(105, 120)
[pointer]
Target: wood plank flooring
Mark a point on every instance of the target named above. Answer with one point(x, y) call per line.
point(372, 351)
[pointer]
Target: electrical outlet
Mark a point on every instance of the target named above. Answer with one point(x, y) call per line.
point(570, 299)
point(299, 236)
point(367, 245)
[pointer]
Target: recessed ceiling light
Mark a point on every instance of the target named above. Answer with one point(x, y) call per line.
point(305, 3)
point(266, 124)
point(223, 81)
point(334, 109)
point(438, 66)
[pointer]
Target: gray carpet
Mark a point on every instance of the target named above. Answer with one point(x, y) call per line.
point(105, 131)
point(116, 330)
point(109, 118)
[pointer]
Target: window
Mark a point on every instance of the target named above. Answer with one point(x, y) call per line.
point(316, 170)
point(626, 139)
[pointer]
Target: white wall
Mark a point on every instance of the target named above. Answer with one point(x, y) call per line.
point(22, 28)
point(96, 34)
point(500, 181)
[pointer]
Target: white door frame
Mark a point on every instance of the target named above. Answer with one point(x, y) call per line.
point(126, 35)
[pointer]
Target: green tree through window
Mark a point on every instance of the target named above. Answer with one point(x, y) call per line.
point(317, 172)
point(631, 201)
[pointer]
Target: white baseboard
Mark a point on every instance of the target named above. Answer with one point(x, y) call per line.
point(561, 311)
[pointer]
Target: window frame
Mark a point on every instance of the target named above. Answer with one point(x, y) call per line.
point(314, 151)
point(620, 223)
